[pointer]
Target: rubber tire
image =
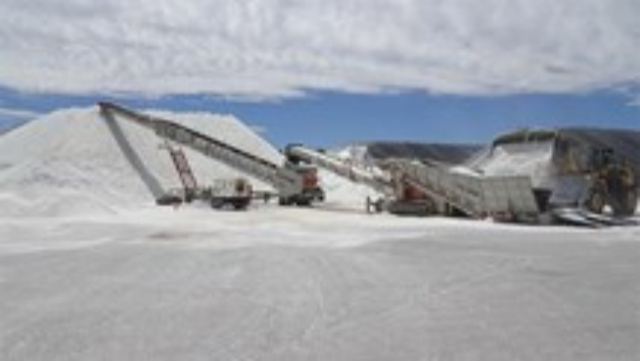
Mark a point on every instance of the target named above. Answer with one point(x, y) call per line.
point(217, 203)
point(303, 203)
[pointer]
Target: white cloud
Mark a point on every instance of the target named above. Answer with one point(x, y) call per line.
point(271, 48)
point(19, 114)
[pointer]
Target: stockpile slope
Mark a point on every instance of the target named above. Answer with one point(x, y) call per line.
point(67, 162)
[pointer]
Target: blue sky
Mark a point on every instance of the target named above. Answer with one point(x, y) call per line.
point(330, 118)
point(327, 72)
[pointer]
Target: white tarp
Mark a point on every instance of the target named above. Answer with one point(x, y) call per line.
point(532, 159)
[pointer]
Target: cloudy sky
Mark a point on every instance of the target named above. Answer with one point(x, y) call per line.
point(423, 69)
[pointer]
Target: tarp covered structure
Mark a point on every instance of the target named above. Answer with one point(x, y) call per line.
point(540, 154)
point(544, 153)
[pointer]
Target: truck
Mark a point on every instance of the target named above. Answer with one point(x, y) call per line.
point(233, 193)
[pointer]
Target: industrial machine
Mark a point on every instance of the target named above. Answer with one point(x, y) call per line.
point(577, 176)
point(410, 187)
point(454, 193)
point(294, 184)
point(423, 187)
point(526, 177)
point(395, 195)
point(612, 185)
point(234, 193)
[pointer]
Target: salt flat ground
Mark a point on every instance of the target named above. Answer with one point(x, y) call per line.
point(307, 284)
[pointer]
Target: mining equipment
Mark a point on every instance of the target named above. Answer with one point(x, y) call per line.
point(294, 184)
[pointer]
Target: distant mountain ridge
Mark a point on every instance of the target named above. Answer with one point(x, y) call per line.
point(442, 152)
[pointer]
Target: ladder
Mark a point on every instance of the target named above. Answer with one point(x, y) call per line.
point(183, 168)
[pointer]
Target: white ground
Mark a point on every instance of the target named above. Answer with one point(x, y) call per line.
point(304, 284)
point(90, 270)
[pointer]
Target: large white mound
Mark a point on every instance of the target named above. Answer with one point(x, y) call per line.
point(342, 193)
point(68, 162)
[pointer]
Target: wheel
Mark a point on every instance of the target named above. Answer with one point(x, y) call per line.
point(240, 206)
point(217, 203)
point(303, 202)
